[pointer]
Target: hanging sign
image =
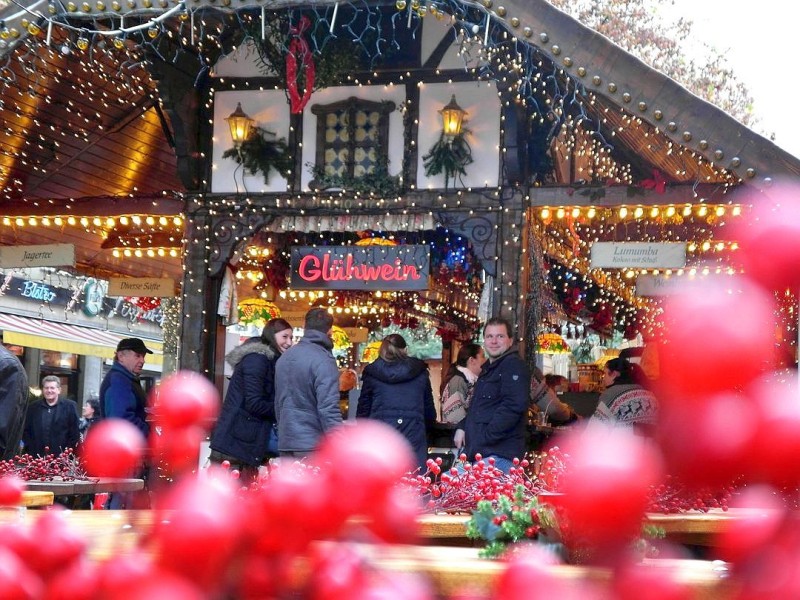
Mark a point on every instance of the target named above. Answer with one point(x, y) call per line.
point(141, 287)
point(638, 255)
point(360, 267)
point(50, 255)
point(666, 285)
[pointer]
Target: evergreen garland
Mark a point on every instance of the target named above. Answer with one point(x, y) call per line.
point(257, 154)
point(449, 155)
point(376, 182)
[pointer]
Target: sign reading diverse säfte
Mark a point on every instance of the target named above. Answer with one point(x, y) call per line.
point(404, 267)
point(638, 255)
point(50, 255)
point(142, 287)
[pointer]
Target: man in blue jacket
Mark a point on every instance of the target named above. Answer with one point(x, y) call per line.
point(122, 397)
point(497, 417)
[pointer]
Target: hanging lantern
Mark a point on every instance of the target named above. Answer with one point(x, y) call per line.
point(257, 311)
point(240, 125)
point(452, 117)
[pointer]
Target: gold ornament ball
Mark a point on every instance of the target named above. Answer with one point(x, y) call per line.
point(400, 4)
point(82, 43)
point(414, 4)
point(119, 43)
point(152, 33)
point(34, 29)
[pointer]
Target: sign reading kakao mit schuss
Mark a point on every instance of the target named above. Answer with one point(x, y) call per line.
point(141, 287)
point(50, 255)
point(404, 267)
point(638, 255)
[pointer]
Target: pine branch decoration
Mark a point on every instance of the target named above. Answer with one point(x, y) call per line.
point(257, 154)
point(449, 155)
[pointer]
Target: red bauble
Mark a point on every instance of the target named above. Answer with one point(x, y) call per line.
point(364, 461)
point(394, 520)
point(11, 488)
point(185, 398)
point(776, 449)
point(640, 582)
point(17, 581)
point(78, 582)
point(113, 448)
point(719, 337)
point(709, 441)
point(607, 486)
point(60, 544)
point(176, 449)
point(760, 517)
point(199, 533)
point(769, 236)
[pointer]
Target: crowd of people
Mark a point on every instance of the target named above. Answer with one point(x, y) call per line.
point(282, 398)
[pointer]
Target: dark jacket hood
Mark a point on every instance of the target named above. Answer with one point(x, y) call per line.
point(396, 371)
point(251, 346)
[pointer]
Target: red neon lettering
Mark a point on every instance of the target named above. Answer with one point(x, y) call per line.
point(335, 269)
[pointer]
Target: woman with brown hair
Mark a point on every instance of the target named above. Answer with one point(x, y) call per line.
point(246, 422)
point(396, 389)
point(458, 382)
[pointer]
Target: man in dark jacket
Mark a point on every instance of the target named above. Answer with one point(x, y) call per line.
point(122, 397)
point(497, 417)
point(51, 423)
point(307, 388)
point(13, 400)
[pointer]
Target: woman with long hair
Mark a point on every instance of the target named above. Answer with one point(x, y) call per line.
point(396, 389)
point(246, 423)
point(626, 401)
point(456, 392)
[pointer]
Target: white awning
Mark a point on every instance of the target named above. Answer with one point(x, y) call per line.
point(63, 337)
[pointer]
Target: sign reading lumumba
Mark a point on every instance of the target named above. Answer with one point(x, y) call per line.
point(360, 267)
point(638, 255)
point(51, 255)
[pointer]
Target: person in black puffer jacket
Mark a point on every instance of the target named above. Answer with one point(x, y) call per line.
point(396, 389)
point(246, 422)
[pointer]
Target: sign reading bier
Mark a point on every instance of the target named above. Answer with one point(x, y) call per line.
point(638, 255)
point(360, 267)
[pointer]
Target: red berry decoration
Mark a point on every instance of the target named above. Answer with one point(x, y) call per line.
point(177, 450)
point(718, 338)
point(185, 398)
point(776, 449)
point(11, 489)
point(365, 461)
point(17, 581)
point(113, 448)
point(769, 237)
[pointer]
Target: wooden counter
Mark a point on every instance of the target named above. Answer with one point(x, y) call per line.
point(95, 485)
point(449, 569)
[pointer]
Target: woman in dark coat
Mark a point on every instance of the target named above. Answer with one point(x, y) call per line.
point(396, 389)
point(242, 433)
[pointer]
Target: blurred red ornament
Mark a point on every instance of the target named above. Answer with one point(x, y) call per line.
point(185, 398)
point(177, 449)
point(607, 485)
point(760, 517)
point(710, 440)
point(769, 238)
point(776, 448)
point(62, 544)
point(640, 582)
point(719, 336)
point(17, 581)
point(11, 488)
point(366, 461)
point(113, 448)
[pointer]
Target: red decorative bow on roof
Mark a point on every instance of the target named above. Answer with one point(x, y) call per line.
point(657, 183)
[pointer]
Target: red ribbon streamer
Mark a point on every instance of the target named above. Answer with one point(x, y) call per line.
point(299, 50)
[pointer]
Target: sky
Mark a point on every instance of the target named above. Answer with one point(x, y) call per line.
point(762, 44)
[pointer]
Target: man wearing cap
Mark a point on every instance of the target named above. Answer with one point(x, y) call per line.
point(121, 396)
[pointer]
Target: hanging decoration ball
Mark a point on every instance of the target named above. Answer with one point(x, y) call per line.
point(82, 43)
point(34, 29)
point(183, 16)
point(119, 43)
point(422, 10)
point(414, 4)
point(400, 4)
point(152, 33)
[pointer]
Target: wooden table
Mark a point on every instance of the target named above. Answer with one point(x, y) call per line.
point(694, 528)
point(96, 485)
point(449, 569)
